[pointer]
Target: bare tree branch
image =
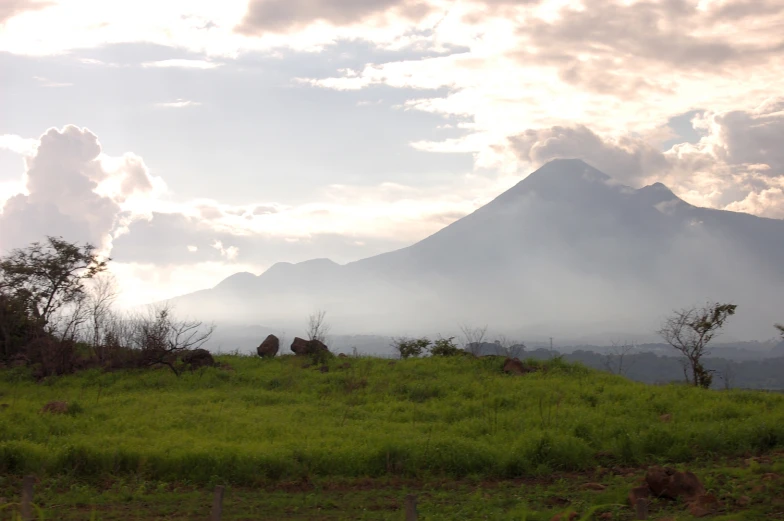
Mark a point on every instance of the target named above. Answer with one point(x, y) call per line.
point(473, 338)
point(690, 331)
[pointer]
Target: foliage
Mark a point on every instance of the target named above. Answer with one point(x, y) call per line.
point(17, 326)
point(438, 416)
point(445, 347)
point(410, 347)
point(318, 327)
point(161, 337)
point(47, 277)
point(690, 331)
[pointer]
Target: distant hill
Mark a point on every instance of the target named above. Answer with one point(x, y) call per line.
point(566, 251)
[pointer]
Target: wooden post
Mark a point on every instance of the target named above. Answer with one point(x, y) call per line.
point(217, 504)
point(642, 509)
point(27, 498)
point(411, 509)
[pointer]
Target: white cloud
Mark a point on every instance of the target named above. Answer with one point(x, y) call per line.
point(18, 144)
point(229, 253)
point(178, 104)
point(183, 64)
point(46, 82)
point(72, 190)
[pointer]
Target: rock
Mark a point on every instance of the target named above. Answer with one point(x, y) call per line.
point(198, 358)
point(299, 346)
point(345, 366)
point(324, 368)
point(566, 516)
point(638, 493)
point(606, 515)
point(665, 418)
point(302, 347)
point(55, 408)
point(672, 484)
point(342, 355)
point(743, 501)
point(268, 348)
point(593, 486)
point(703, 505)
point(515, 366)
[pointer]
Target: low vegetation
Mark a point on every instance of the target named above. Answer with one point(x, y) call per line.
point(92, 402)
point(453, 417)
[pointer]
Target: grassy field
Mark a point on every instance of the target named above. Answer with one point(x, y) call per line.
point(455, 426)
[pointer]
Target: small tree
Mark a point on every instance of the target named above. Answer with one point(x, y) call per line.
point(317, 326)
point(690, 331)
point(510, 348)
point(50, 276)
point(473, 338)
point(727, 375)
point(445, 347)
point(161, 337)
point(617, 359)
point(102, 293)
point(410, 347)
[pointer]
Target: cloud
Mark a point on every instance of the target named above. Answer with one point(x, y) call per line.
point(229, 253)
point(737, 164)
point(18, 144)
point(72, 190)
point(183, 64)
point(624, 158)
point(11, 8)
point(179, 104)
point(281, 15)
point(45, 82)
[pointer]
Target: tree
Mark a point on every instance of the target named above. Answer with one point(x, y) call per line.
point(445, 347)
point(617, 360)
point(48, 277)
point(317, 327)
point(473, 338)
point(410, 347)
point(101, 295)
point(510, 348)
point(17, 326)
point(690, 331)
point(161, 337)
point(727, 375)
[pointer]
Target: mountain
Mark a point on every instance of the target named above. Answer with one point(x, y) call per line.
point(568, 251)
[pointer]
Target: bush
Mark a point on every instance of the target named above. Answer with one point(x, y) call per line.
point(408, 348)
point(445, 347)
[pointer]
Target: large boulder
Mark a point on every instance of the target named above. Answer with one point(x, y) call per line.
point(268, 348)
point(672, 484)
point(198, 358)
point(302, 347)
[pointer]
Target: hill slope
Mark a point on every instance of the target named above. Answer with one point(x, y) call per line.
point(567, 249)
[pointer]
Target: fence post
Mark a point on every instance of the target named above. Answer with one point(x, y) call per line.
point(27, 498)
point(411, 509)
point(217, 504)
point(642, 508)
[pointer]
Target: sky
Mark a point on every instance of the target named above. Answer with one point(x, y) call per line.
point(193, 139)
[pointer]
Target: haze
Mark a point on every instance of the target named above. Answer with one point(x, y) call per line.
point(194, 140)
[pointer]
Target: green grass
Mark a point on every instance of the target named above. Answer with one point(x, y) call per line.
point(272, 420)
point(295, 443)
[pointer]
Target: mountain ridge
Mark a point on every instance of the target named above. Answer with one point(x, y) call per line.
point(566, 245)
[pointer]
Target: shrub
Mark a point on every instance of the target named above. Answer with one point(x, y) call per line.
point(445, 347)
point(408, 348)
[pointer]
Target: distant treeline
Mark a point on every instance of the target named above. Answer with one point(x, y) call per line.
point(655, 369)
